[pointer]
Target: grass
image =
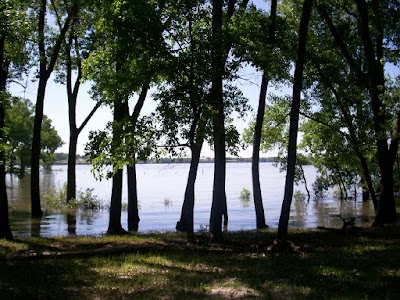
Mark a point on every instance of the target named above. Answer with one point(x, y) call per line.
point(330, 265)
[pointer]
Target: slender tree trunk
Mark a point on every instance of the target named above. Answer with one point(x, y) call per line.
point(217, 65)
point(258, 202)
point(255, 161)
point(36, 210)
point(21, 168)
point(294, 120)
point(71, 176)
point(368, 180)
point(185, 223)
point(133, 211)
point(303, 175)
point(5, 231)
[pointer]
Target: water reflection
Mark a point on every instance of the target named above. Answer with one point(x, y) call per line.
point(157, 184)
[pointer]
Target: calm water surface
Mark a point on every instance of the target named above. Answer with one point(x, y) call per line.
point(160, 191)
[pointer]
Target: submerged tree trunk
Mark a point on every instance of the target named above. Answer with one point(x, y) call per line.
point(71, 222)
point(255, 161)
point(303, 175)
point(294, 120)
point(71, 173)
point(185, 223)
point(217, 64)
point(114, 225)
point(36, 210)
point(133, 211)
point(5, 231)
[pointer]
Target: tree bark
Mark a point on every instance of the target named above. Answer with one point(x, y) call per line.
point(71, 176)
point(217, 66)
point(255, 161)
point(185, 223)
point(133, 210)
point(5, 231)
point(114, 225)
point(36, 210)
point(294, 120)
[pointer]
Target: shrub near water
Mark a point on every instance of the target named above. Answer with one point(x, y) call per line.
point(55, 200)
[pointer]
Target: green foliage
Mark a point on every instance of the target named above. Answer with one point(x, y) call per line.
point(19, 123)
point(245, 193)
point(137, 143)
point(55, 200)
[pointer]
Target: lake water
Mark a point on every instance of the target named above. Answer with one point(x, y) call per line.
point(160, 191)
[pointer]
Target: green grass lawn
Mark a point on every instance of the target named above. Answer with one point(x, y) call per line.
point(329, 265)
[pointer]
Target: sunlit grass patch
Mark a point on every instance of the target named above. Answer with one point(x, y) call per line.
point(8, 247)
point(165, 266)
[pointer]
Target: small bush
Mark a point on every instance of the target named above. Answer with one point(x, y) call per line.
point(245, 194)
point(55, 200)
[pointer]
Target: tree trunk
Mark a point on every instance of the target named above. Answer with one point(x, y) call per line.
point(258, 203)
point(376, 86)
point(5, 231)
point(255, 172)
point(71, 177)
point(133, 210)
point(217, 65)
point(36, 210)
point(71, 222)
point(387, 205)
point(303, 175)
point(185, 224)
point(294, 120)
point(114, 225)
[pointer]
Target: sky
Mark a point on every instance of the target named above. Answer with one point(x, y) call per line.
point(56, 108)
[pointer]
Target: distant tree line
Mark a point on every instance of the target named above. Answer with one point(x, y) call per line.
point(343, 112)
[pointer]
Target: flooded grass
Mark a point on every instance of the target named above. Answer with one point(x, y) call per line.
point(329, 265)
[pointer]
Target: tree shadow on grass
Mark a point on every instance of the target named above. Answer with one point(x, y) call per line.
point(331, 266)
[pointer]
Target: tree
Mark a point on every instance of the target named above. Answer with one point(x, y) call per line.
point(258, 43)
point(221, 46)
point(183, 97)
point(48, 53)
point(132, 59)
point(14, 31)
point(255, 169)
point(374, 55)
point(19, 119)
point(294, 120)
point(376, 35)
point(78, 44)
